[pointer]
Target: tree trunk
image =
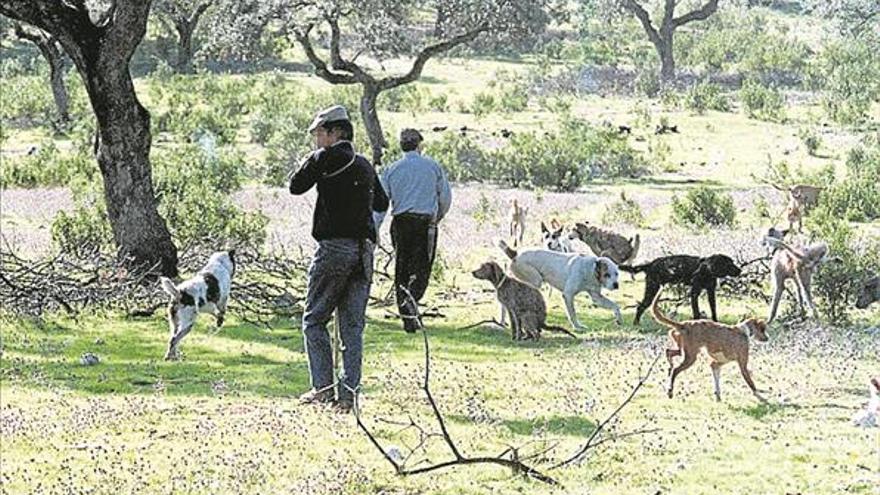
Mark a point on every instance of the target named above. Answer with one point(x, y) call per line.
point(123, 152)
point(371, 122)
point(667, 61)
point(59, 90)
point(184, 48)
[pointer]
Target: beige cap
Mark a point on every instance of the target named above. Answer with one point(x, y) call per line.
point(332, 114)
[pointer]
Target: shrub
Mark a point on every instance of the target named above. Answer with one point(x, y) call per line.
point(762, 102)
point(47, 166)
point(706, 96)
point(849, 73)
point(192, 105)
point(463, 158)
point(836, 283)
point(565, 160)
point(703, 207)
point(86, 229)
point(193, 188)
point(483, 104)
point(810, 139)
point(623, 211)
point(513, 98)
point(856, 197)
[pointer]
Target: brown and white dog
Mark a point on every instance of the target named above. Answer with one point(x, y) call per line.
point(206, 292)
point(606, 243)
point(569, 273)
point(797, 264)
point(723, 343)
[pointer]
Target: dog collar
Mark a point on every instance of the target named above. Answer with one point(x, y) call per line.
point(503, 279)
point(747, 329)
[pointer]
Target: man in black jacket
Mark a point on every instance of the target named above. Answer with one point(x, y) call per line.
point(342, 268)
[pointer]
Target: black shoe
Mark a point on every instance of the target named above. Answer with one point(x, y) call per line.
point(411, 324)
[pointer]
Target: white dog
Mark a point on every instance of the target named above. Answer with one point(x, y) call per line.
point(570, 273)
point(206, 292)
point(870, 417)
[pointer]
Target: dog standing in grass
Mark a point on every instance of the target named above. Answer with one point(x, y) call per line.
point(723, 343)
point(517, 222)
point(206, 292)
point(798, 264)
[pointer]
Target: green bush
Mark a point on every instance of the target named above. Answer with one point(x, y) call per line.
point(837, 282)
point(762, 102)
point(810, 139)
point(855, 198)
point(514, 97)
point(624, 211)
point(483, 104)
point(703, 207)
point(561, 161)
point(47, 166)
point(463, 158)
point(27, 100)
point(849, 73)
point(189, 106)
point(86, 229)
point(706, 96)
point(193, 188)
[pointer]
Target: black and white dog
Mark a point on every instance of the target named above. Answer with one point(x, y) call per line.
point(206, 292)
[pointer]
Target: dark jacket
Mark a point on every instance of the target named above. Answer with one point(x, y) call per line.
point(348, 192)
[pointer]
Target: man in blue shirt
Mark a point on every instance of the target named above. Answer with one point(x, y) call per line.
point(420, 198)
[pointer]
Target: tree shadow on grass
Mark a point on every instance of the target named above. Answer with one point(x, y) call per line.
point(575, 426)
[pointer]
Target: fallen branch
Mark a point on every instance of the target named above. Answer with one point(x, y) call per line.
point(458, 458)
point(592, 442)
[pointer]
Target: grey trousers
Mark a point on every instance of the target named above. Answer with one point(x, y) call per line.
point(339, 279)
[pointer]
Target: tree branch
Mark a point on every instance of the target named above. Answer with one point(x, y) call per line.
point(645, 19)
point(591, 442)
point(422, 58)
point(700, 14)
point(321, 69)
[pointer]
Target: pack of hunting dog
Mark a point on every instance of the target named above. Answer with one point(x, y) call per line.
point(344, 221)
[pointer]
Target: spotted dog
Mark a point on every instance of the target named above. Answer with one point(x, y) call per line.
point(206, 292)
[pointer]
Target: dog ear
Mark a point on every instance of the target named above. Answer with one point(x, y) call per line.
point(601, 269)
point(169, 287)
point(544, 228)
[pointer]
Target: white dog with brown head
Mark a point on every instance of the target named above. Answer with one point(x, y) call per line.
point(570, 273)
point(206, 292)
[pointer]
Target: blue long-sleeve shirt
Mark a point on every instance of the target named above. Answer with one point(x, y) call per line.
point(417, 184)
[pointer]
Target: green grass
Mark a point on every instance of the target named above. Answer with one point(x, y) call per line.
point(225, 419)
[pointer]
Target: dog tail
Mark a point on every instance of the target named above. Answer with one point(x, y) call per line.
point(554, 328)
point(660, 317)
point(635, 242)
point(509, 251)
point(778, 243)
point(633, 269)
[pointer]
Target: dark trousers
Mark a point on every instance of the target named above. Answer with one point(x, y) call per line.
point(415, 241)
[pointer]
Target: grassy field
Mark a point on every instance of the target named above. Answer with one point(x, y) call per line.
point(225, 419)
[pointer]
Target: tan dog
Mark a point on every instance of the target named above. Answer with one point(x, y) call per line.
point(794, 213)
point(807, 196)
point(606, 243)
point(798, 265)
point(517, 222)
point(723, 343)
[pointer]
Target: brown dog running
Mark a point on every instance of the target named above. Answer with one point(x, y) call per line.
point(723, 343)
